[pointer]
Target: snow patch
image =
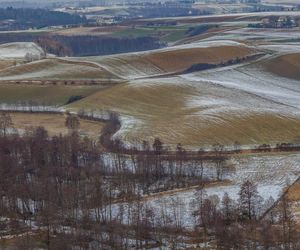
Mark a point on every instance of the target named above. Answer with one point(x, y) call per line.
point(19, 50)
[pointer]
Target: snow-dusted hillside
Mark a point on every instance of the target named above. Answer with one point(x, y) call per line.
point(20, 50)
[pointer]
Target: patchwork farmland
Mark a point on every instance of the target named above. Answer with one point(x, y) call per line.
point(145, 146)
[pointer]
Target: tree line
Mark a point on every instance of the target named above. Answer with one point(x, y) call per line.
point(98, 45)
point(66, 192)
point(84, 45)
point(37, 18)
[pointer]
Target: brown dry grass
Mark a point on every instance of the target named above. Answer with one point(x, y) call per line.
point(50, 69)
point(126, 65)
point(294, 192)
point(167, 61)
point(55, 124)
point(286, 66)
point(293, 195)
point(43, 94)
point(160, 110)
point(179, 60)
point(6, 63)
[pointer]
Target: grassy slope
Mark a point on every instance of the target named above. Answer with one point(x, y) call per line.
point(50, 69)
point(167, 61)
point(161, 110)
point(6, 63)
point(54, 123)
point(52, 95)
point(293, 195)
point(179, 60)
point(286, 66)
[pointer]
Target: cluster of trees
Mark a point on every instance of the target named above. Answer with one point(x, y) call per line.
point(277, 22)
point(5, 123)
point(279, 147)
point(198, 30)
point(30, 106)
point(68, 182)
point(53, 46)
point(206, 66)
point(245, 224)
point(38, 18)
point(18, 37)
point(11, 37)
point(99, 45)
point(85, 45)
point(66, 192)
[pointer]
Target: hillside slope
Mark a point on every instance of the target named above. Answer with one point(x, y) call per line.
point(19, 50)
point(170, 60)
point(225, 105)
point(55, 69)
point(285, 66)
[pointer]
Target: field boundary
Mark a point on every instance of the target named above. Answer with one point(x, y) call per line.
point(109, 144)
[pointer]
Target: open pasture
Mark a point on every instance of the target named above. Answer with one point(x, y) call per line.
point(56, 69)
point(54, 124)
point(201, 109)
point(42, 95)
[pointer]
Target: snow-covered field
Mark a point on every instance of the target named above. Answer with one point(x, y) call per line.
point(258, 36)
point(55, 69)
point(243, 103)
point(128, 66)
point(286, 48)
point(267, 34)
point(235, 15)
point(269, 93)
point(271, 174)
point(135, 65)
point(240, 103)
point(19, 50)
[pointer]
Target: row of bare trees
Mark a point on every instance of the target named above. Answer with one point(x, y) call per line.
point(66, 192)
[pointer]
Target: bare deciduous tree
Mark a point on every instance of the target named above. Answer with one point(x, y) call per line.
point(72, 122)
point(5, 123)
point(249, 200)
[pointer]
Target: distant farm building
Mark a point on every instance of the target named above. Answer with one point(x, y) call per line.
point(276, 22)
